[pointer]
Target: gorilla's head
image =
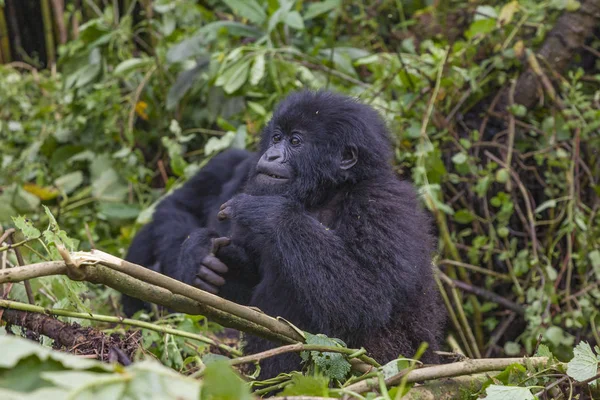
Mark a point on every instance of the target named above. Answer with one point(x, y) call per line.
point(316, 142)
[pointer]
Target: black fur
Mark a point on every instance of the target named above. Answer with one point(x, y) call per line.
point(340, 247)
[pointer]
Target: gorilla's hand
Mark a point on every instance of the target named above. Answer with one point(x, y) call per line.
point(198, 264)
point(258, 213)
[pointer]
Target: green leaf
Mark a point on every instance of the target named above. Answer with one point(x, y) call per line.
point(594, 257)
point(258, 69)
point(221, 383)
point(547, 204)
point(235, 76)
point(480, 28)
point(183, 83)
point(502, 175)
point(131, 65)
point(69, 182)
point(188, 48)
point(584, 364)
point(250, 9)
point(294, 20)
point(316, 9)
point(333, 365)
point(26, 227)
point(307, 386)
point(119, 210)
point(216, 144)
point(459, 158)
point(463, 216)
point(498, 392)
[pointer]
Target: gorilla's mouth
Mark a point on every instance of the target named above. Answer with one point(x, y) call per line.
point(275, 176)
point(272, 174)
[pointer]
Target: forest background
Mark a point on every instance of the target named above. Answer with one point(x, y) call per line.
point(494, 107)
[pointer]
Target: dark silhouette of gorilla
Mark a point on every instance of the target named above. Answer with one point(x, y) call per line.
point(323, 233)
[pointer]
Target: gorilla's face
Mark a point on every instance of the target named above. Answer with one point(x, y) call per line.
point(300, 160)
point(311, 146)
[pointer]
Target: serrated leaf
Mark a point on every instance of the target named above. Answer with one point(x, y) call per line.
point(250, 9)
point(316, 9)
point(498, 392)
point(584, 364)
point(258, 70)
point(333, 365)
point(26, 227)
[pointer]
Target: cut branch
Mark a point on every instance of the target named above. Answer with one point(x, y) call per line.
point(461, 368)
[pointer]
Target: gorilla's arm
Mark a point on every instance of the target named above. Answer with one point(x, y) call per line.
point(184, 212)
point(316, 268)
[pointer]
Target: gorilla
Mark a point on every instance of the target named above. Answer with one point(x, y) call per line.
point(315, 228)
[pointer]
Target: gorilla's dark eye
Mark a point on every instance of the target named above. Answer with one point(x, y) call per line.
point(295, 141)
point(276, 138)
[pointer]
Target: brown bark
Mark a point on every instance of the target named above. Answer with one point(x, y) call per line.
point(74, 338)
point(568, 36)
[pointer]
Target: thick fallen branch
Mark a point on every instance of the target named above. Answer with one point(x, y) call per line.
point(123, 283)
point(568, 36)
point(461, 368)
point(74, 338)
point(15, 305)
point(137, 281)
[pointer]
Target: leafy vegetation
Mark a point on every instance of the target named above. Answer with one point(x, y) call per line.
point(143, 96)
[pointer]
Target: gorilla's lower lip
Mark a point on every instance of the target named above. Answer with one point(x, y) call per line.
point(273, 176)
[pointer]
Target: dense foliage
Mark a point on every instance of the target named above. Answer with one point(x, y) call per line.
point(139, 101)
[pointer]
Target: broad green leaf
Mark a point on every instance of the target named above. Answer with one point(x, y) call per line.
point(69, 182)
point(235, 76)
point(463, 216)
point(507, 12)
point(307, 386)
point(318, 8)
point(216, 144)
point(186, 49)
point(183, 83)
point(119, 210)
point(221, 383)
point(459, 158)
point(258, 69)
point(498, 392)
point(132, 64)
point(294, 20)
point(584, 364)
point(250, 9)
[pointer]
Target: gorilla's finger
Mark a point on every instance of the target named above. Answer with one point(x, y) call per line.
point(207, 275)
point(215, 264)
point(224, 213)
point(200, 284)
point(219, 242)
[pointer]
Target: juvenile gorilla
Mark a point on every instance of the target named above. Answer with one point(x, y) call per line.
point(323, 234)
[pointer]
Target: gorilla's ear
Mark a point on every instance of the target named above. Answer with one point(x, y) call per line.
point(349, 157)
